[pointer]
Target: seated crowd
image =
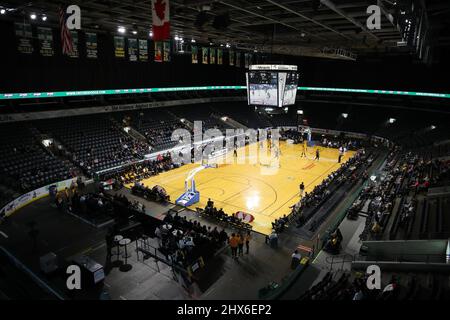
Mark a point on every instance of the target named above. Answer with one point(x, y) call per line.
point(346, 172)
point(219, 215)
point(185, 240)
point(141, 170)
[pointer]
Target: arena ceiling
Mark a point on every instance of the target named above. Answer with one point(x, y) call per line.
point(294, 27)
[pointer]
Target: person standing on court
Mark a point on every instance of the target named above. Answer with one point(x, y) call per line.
point(317, 154)
point(233, 242)
point(240, 244)
point(302, 189)
point(303, 149)
point(341, 154)
point(247, 239)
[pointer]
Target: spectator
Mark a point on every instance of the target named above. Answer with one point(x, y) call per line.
point(240, 244)
point(248, 237)
point(233, 241)
point(295, 259)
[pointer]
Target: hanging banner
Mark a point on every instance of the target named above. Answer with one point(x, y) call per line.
point(166, 51)
point(246, 60)
point(238, 59)
point(161, 20)
point(91, 45)
point(143, 50)
point(45, 36)
point(24, 35)
point(219, 56)
point(74, 53)
point(231, 61)
point(158, 51)
point(205, 55)
point(119, 47)
point(212, 56)
point(132, 49)
point(194, 54)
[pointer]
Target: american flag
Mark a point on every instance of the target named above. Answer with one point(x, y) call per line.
point(66, 37)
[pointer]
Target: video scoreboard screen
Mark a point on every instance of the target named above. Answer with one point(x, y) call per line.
point(263, 88)
point(290, 89)
point(272, 85)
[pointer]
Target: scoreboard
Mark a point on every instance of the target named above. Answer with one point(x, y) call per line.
point(272, 85)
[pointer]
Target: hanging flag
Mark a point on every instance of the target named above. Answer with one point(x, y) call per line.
point(91, 45)
point(205, 55)
point(74, 52)
point(212, 56)
point(132, 49)
point(166, 51)
point(231, 53)
point(194, 54)
point(238, 59)
point(158, 51)
point(45, 36)
point(24, 35)
point(66, 38)
point(119, 47)
point(143, 50)
point(219, 56)
point(161, 20)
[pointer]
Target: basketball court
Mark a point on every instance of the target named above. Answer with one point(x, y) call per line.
point(251, 188)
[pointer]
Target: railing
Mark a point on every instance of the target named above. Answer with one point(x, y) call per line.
point(394, 257)
point(344, 258)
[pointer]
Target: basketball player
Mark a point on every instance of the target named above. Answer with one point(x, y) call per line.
point(235, 152)
point(317, 155)
point(302, 189)
point(303, 150)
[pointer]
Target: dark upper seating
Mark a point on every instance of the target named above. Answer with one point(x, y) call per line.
point(94, 142)
point(24, 164)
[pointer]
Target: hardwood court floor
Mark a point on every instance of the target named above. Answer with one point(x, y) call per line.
point(265, 191)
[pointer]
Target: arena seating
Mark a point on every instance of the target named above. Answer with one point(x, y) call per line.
point(282, 120)
point(155, 124)
point(345, 286)
point(25, 164)
point(210, 118)
point(94, 142)
point(243, 114)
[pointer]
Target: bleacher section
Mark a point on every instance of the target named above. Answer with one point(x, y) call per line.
point(94, 143)
point(156, 125)
point(25, 164)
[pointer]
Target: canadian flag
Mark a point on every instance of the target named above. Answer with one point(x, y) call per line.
point(161, 20)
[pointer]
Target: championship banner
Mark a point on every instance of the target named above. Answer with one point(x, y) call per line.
point(212, 56)
point(158, 51)
point(166, 51)
point(231, 54)
point(91, 45)
point(143, 50)
point(132, 49)
point(194, 54)
point(160, 20)
point(205, 55)
point(24, 36)
point(74, 53)
point(119, 47)
point(238, 59)
point(246, 60)
point(219, 56)
point(45, 36)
